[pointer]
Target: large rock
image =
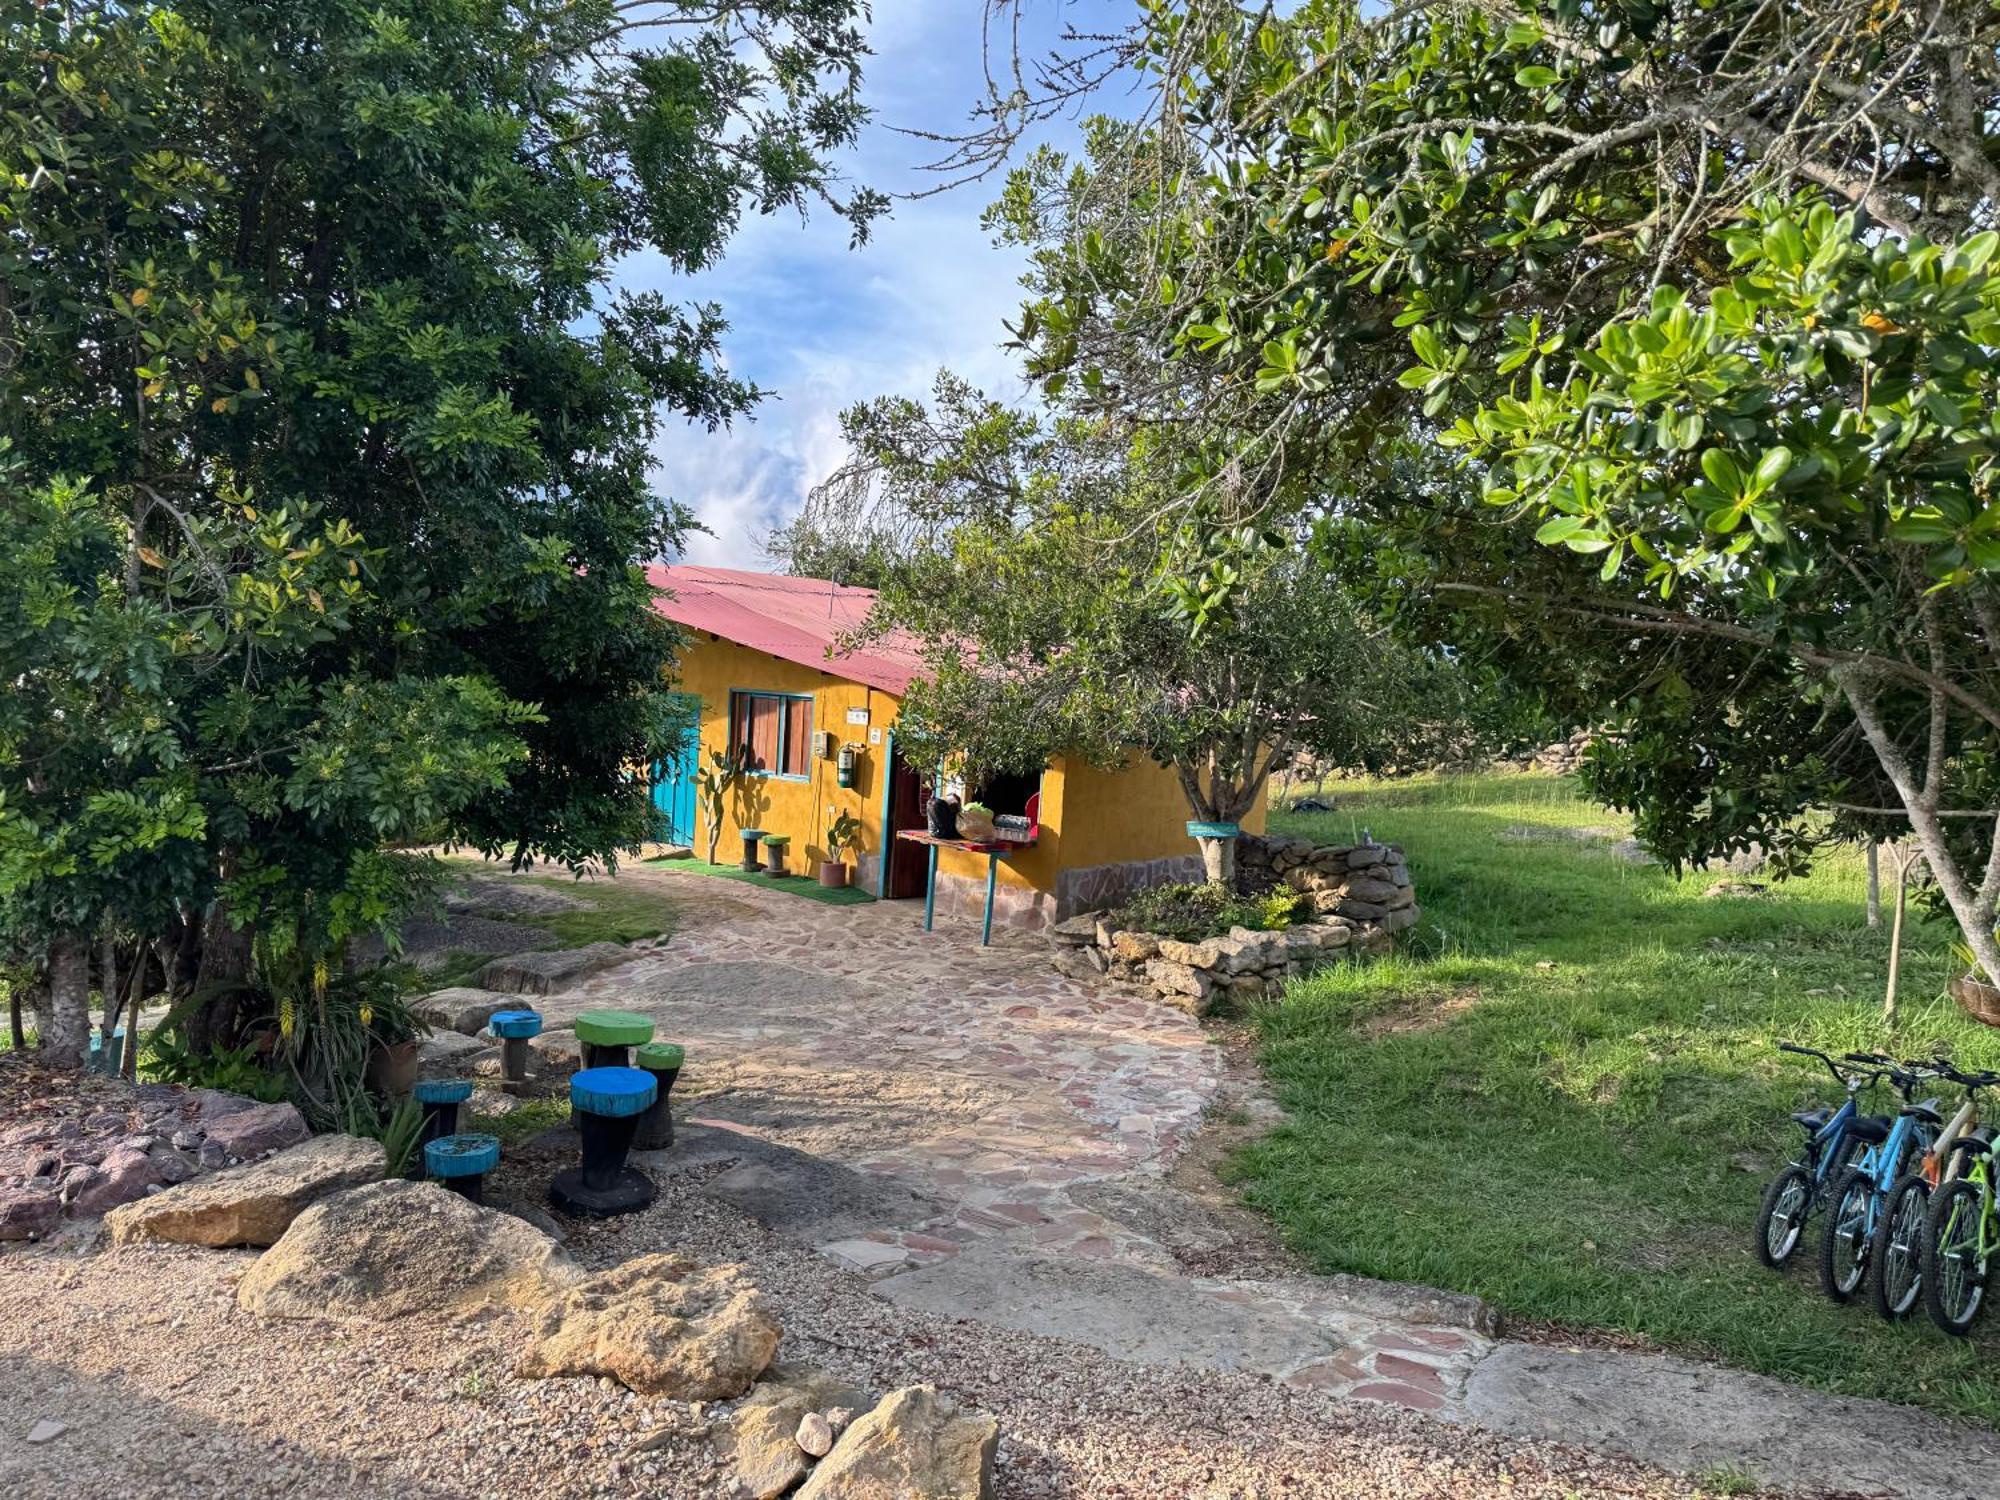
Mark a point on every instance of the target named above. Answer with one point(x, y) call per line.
point(249, 1133)
point(450, 1051)
point(760, 1442)
point(393, 1249)
point(464, 1009)
point(124, 1177)
point(250, 1205)
point(28, 1213)
point(661, 1326)
point(548, 973)
point(914, 1446)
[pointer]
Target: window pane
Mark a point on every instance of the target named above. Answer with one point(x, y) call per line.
point(757, 716)
point(798, 736)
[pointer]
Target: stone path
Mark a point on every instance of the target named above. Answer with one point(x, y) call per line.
point(1028, 1118)
point(981, 1136)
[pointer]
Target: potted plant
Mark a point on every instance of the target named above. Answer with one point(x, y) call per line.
point(1978, 997)
point(843, 835)
point(775, 847)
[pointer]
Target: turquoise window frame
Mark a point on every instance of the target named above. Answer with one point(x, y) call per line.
point(784, 727)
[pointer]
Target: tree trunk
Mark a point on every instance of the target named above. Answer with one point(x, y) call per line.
point(1902, 864)
point(1218, 861)
point(1874, 883)
point(1972, 908)
point(225, 968)
point(66, 1029)
point(17, 1032)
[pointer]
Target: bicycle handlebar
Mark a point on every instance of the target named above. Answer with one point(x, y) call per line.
point(1844, 1079)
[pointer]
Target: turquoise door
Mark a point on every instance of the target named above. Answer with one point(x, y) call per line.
point(674, 784)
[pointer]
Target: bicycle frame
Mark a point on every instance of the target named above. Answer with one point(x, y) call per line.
point(1882, 1165)
point(1824, 1148)
point(1941, 1164)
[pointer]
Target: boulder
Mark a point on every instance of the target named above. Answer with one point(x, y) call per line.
point(249, 1133)
point(914, 1446)
point(551, 972)
point(1204, 955)
point(395, 1248)
point(760, 1445)
point(661, 1326)
point(450, 1051)
point(464, 1009)
point(250, 1205)
point(124, 1177)
point(29, 1213)
point(1364, 888)
point(1177, 979)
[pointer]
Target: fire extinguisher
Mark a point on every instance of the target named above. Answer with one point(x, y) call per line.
point(844, 766)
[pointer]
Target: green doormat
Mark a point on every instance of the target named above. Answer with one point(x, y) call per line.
point(795, 885)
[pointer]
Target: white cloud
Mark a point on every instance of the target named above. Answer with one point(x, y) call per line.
point(822, 326)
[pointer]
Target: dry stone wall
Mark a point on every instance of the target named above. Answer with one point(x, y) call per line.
point(1361, 897)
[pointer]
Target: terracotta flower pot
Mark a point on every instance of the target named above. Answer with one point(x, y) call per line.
point(832, 874)
point(1977, 998)
point(392, 1068)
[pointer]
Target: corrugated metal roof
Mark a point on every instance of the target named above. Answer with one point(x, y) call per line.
point(795, 619)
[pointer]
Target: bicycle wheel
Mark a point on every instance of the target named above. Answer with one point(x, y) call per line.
point(1898, 1251)
point(1954, 1269)
point(1843, 1248)
point(1781, 1222)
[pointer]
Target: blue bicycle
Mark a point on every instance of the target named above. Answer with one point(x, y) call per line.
point(1835, 1140)
point(1861, 1193)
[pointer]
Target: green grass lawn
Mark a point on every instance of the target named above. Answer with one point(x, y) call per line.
point(1562, 1094)
point(610, 911)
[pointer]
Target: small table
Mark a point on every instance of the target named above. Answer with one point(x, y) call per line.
point(997, 848)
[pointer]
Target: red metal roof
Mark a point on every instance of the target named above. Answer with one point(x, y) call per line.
point(794, 619)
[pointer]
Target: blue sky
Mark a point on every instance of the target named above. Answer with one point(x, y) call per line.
point(821, 326)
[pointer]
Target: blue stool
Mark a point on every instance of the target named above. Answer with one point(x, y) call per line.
point(461, 1162)
point(513, 1028)
point(608, 1103)
point(440, 1098)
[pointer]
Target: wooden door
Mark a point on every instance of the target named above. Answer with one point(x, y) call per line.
point(908, 863)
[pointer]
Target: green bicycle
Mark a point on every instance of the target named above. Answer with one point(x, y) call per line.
point(1961, 1236)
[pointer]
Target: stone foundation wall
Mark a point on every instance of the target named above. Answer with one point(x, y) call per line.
point(1361, 896)
point(1099, 887)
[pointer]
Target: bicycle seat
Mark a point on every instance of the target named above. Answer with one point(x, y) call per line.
point(1977, 1140)
point(1814, 1120)
point(1925, 1110)
point(1870, 1128)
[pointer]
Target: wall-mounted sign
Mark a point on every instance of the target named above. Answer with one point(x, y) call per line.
point(874, 736)
point(857, 716)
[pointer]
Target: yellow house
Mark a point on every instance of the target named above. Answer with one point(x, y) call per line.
point(764, 660)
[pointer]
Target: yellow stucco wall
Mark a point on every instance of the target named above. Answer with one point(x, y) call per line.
point(1089, 817)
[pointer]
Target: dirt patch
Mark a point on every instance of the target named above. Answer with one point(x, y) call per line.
point(1419, 1013)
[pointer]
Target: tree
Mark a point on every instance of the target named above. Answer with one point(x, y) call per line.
point(1060, 616)
point(1699, 292)
point(338, 277)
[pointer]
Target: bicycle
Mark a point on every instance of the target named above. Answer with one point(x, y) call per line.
point(1859, 1193)
point(1961, 1233)
point(1902, 1230)
point(1834, 1138)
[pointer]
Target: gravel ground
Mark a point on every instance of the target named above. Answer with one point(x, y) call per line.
point(169, 1389)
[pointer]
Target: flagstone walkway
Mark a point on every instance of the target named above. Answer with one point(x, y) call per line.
point(1027, 1117)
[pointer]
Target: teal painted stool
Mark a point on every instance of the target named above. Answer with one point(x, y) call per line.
point(440, 1098)
point(461, 1162)
point(663, 1060)
point(513, 1029)
point(607, 1103)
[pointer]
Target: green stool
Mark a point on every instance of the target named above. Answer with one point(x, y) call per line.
point(656, 1126)
point(608, 1036)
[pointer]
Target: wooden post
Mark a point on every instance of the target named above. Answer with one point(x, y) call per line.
point(1874, 883)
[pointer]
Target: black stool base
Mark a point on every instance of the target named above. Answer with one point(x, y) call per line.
point(473, 1188)
point(627, 1192)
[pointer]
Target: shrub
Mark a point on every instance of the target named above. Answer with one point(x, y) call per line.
point(1194, 912)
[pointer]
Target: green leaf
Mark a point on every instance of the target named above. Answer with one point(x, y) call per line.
point(1721, 471)
point(1535, 76)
